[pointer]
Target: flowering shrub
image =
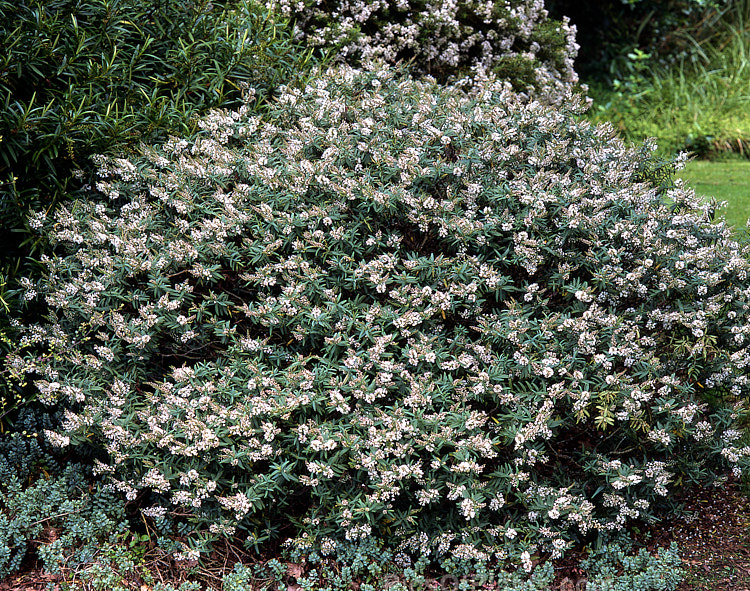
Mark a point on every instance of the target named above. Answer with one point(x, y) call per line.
point(513, 37)
point(83, 77)
point(469, 325)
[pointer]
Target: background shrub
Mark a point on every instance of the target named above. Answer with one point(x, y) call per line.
point(460, 323)
point(82, 77)
point(514, 38)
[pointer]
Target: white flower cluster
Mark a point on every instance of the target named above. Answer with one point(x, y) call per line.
point(514, 36)
point(391, 307)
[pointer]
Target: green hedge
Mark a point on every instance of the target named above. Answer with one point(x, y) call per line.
point(80, 77)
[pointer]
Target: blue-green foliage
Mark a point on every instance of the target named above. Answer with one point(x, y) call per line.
point(49, 508)
point(613, 568)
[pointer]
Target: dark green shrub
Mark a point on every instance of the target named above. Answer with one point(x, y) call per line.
point(82, 77)
point(467, 325)
point(514, 38)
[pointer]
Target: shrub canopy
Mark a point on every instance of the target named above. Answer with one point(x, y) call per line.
point(457, 321)
point(514, 38)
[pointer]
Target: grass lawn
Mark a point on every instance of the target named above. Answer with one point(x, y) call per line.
point(726, 181)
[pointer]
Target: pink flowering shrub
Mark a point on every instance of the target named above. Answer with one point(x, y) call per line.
point(515, 38)
point(465, 324)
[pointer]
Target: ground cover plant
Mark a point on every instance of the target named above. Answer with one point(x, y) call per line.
point(50, 506)
point(515, 38)
point(469, 327)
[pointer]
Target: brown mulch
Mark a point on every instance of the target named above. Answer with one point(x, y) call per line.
point(714, 539)
point(31, 580)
